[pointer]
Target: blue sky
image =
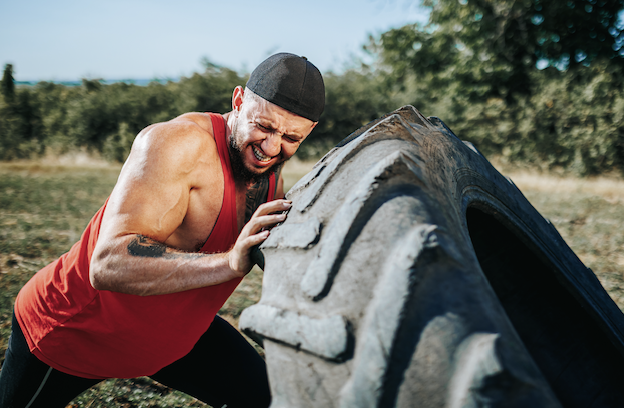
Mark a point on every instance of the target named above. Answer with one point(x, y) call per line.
point(146, 39)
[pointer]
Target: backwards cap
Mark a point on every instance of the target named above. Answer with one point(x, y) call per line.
point(291, 82)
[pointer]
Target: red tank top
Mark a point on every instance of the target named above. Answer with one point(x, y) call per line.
point(101, 334)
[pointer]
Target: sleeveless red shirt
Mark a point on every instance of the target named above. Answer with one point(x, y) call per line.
point(102, 334)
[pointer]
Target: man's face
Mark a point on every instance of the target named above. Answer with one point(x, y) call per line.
point(263, 137)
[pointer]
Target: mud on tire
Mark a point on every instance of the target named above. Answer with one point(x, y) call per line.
point(411, 273)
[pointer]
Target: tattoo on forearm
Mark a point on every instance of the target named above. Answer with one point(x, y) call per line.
point(143, 246)
point(146, 247)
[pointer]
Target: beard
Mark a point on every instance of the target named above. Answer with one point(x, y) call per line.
point(240, 171)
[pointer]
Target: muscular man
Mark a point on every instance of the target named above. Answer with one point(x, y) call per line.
point(139, 293)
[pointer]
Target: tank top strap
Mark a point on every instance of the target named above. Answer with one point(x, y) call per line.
point(272, 188)
point(225, 231)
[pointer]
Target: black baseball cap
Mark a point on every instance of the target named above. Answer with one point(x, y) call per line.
point(291, 82)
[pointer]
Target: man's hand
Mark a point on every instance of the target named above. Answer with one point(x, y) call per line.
point(255, 232)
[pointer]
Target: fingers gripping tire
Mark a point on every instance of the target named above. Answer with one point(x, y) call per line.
point(410, 272)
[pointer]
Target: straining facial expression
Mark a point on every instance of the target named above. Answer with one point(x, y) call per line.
point(263, 136)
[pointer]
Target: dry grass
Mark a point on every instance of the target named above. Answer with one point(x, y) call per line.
point(610, 189)
point(77, 158)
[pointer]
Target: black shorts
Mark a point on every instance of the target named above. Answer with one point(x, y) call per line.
point(222, 369)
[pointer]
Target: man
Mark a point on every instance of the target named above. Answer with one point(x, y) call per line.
point(138, 294)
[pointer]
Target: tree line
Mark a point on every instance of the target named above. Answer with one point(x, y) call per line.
point(530, 81)
point(106, 118)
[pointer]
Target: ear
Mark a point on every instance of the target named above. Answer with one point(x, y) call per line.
point(237, 98)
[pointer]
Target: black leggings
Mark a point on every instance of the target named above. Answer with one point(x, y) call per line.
point(222, 369)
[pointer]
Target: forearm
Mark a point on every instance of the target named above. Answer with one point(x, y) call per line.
point(136, 264)
point(141, 266)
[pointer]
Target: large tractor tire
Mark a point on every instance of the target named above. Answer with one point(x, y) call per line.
point(410, 273)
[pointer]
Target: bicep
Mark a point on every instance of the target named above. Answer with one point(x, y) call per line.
point(150, 203)
point(141, 205)
point(151, 197)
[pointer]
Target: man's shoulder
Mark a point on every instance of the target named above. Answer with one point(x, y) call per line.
point(178, 145)
point(193, 125)
point(201, 119)
point(190, 133)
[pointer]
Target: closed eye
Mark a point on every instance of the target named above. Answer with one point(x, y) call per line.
point(268, 129)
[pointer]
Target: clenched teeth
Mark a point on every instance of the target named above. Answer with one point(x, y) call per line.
point(259, 155)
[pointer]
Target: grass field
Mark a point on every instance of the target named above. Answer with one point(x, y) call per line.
point(45, 205)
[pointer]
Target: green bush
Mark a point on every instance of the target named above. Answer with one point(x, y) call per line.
point(571, 119)
point(21, 126)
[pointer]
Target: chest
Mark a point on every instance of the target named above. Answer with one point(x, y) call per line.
point(209, 204)
point(249, 198)
point(203, 211)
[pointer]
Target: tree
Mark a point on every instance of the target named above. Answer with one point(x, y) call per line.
point(21, 124)
point(518, 78)
point(494, 44)
point(352, 99)
point(7, 86)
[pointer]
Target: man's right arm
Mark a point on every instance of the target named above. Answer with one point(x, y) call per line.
point(148, 204)
point(137, 264)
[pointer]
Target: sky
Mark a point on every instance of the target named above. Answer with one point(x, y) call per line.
point(64, 40)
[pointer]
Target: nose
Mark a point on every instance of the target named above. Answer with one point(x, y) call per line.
point(272, 145)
